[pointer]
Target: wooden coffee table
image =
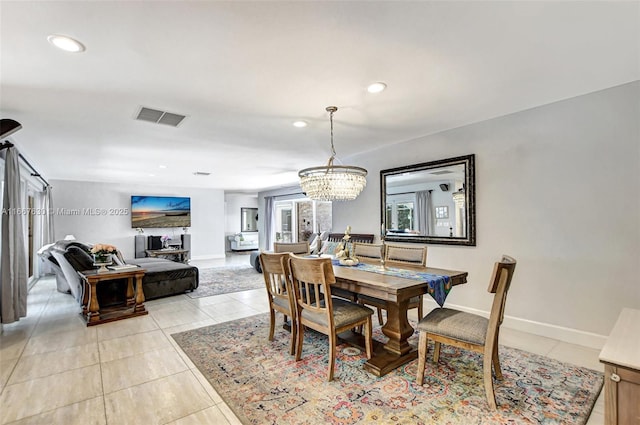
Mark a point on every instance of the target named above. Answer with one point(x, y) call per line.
point(134, 303)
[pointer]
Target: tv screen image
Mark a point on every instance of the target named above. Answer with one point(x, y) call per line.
point(160, 211)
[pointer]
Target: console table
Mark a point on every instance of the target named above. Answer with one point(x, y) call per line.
point(180, 255)
point(621, 358)
point(133, 306)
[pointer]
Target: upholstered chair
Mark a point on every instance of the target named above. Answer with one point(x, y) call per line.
point(329, 315)
point(301, 248)
point(470, 331)
point(412, 255)
point(275, 271)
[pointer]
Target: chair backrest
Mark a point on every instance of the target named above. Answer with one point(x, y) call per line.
point(295, 247)
point(355, 237)
point(499, 285)
point(367, 250)
point(406, 254)
point(275, 271)
point(310, 277)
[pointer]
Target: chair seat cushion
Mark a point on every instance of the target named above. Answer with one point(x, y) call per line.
point(455, 324)
point(344, 313)
point(281, 302)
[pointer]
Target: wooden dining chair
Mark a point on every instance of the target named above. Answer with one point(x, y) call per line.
point(275, 270)
point(370, 251)
point(301, 248)
point(329, 315)
point(470, 331)
point(415, 255)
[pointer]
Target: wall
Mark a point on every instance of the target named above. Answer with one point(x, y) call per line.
point(232, 204)
point(558, 189)
point(207, 215)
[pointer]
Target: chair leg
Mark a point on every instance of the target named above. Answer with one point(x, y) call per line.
point(496, 359)
point(368, 338)
point(300, 337)
point(380, 316)
point(488, 380)
point(332, 355)
point(294, 334)
point(422, 357)
point(436, 352)
point(420, 309)
point(272, 323)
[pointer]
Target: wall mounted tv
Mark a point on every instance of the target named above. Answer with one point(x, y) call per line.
point(160, 211)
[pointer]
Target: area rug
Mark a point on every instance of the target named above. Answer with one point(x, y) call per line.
point(227, 279)
point(263, 384)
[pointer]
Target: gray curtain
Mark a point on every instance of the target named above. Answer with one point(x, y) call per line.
point(47, 220)
point(424, 213)
point(268, 221)
point(13, 268)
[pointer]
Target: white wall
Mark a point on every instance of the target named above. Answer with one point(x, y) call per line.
point(233, 203)
point(207, 215)
point(558, 188)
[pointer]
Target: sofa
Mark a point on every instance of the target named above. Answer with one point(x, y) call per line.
point(244, 241)
point(162, 277)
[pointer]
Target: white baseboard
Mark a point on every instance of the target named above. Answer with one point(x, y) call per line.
point(208, 257)
point(561, 333)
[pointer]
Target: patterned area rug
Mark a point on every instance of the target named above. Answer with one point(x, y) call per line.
point(227, 279)
point(263, 384)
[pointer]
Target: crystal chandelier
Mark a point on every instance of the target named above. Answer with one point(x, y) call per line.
point(333, 182)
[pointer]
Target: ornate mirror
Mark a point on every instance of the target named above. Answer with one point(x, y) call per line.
point(432, 202)
point(248, 219)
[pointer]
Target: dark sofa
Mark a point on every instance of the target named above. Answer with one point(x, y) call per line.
point(162, 277)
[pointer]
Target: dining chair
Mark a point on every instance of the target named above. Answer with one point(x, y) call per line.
point(371, 251)
point(329, 315)
point(275, 270)
point(470, 331)
point(415, 255)
point(295, 247)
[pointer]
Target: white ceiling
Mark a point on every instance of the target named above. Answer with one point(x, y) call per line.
point(242, 72)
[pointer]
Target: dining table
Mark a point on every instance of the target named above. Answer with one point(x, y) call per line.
point(396, 285)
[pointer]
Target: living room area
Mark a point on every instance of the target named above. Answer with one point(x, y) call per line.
point(463, 134)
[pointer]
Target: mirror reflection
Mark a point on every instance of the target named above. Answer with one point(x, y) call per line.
point(431, 202)
point(249, 219)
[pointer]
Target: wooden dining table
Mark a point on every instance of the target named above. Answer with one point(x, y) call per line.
point(396, 291)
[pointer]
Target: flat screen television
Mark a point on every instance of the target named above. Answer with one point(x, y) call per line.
point(160, 211)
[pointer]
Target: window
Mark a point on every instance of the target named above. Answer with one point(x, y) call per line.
point(400, 212)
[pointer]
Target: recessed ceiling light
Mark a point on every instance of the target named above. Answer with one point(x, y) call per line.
point(151, 175)
point(376, 87)
point(162, 166)
point(66, 43)
point(300, 124)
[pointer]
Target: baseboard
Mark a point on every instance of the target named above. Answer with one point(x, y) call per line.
point(208, 257)
point(561, 333)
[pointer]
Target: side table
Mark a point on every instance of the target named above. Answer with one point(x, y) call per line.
point(134, 303)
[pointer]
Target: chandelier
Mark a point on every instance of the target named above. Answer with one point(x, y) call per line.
point(333, 182)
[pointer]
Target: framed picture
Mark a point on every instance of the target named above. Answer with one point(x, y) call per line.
point(442, 212)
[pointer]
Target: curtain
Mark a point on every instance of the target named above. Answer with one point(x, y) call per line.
point(268, 221)
point(47, 218)
point(13, 267)
point(424, 213)
point(43, 231)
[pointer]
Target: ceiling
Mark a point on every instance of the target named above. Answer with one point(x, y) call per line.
point(242, 72)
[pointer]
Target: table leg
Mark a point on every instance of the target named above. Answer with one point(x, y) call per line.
point(130, 298)
point(139, 295)
point(397, 351)
point(94, 308)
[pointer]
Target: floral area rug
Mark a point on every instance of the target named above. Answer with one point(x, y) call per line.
point(226, 279)
point(263, 384)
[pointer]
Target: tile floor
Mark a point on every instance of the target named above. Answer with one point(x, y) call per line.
point(55, 370)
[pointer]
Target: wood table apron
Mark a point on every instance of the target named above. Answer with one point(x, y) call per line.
point(134, 303)
point(396, 291)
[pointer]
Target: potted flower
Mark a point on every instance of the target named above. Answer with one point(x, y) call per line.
point(165, 241)
point(102, 254)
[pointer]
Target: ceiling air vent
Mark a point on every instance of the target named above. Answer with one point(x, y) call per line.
point(159, 117)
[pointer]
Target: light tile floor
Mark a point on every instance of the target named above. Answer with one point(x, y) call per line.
point(55, 370)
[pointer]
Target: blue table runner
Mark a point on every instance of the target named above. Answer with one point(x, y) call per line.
point(438, 285)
